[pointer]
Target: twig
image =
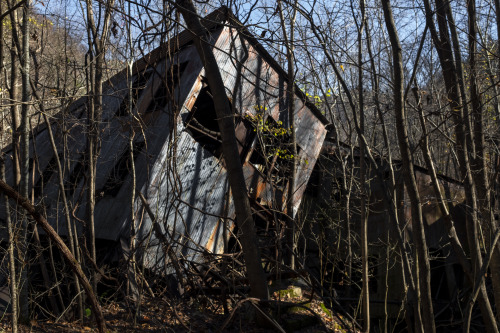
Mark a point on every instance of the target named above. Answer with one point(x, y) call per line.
point(228, 319)
point(477, 285)
point(178, 317)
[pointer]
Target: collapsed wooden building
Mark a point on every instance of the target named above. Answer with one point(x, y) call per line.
point(176, 147)
point(333, 214)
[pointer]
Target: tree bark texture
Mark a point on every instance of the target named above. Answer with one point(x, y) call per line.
point(97, 50)
point(423, 269)
point(479, 167)
point(244, 218)
point(444, 49)
point(290, 98)
point(25, 160)
point(365, 285)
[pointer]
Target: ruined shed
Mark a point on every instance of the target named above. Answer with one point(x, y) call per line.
point(334, 214)
point(176, 146)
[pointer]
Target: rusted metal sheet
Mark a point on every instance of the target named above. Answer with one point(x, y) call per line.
point(266, 89)
point(184, 181)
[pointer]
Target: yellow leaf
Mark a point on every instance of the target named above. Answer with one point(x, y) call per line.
point(342, 68)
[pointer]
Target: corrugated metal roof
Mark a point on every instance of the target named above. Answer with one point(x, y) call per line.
point(185, 184)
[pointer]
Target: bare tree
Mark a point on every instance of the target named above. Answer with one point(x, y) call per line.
point(75, 266)
point(290, 97)
point(423, 273)
point(365, 292)
point(97, 35)
point(452, 83)
point(225, 118)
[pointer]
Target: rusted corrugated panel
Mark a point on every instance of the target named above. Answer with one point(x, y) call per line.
point(195, 208)
point(310, 136)
point(210, 22)
point(214, 238)
point(112, 216)
point(154, 158)
point(203, 188)
point(264, 90)
point(186, 190)
point(258, 82)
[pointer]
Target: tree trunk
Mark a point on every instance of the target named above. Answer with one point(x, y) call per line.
point(495, 265)
point(14, 108)
point(403, 245)
point(365, 290)
point(25, 160)
point(8, 219)
point(423, 275)
point(445, 53)
point(290, 98)
point(479, 167)
point(244, 219)
point(97, 49)
point(12, 256)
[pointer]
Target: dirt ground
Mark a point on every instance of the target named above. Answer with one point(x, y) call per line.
point(201, 314)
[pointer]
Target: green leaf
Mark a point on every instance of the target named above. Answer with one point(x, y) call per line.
point(88, 312)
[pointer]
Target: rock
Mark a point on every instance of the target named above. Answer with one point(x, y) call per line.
point(292, 292)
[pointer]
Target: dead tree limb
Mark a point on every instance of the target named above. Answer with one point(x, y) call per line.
point(70, 259)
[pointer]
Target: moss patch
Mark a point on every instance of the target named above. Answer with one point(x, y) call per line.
point(325, 310)
point(295, 309)
point(293, 292)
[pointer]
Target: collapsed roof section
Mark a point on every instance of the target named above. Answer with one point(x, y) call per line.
point(176, 146)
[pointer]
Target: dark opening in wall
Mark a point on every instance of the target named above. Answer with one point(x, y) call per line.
point(165, 91)
point(258, 157)
point(120, 171)
point(138, 84)
point(313, 185)
point(202, 123)
point(233, 244)
point(245, 136)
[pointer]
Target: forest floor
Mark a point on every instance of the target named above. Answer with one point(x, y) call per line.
point(200, 314)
